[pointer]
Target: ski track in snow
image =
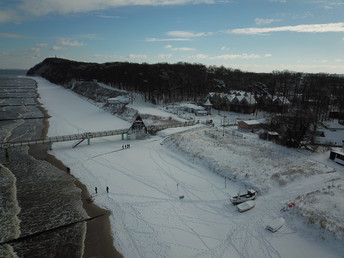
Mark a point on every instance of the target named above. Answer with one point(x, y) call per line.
point(245, 232)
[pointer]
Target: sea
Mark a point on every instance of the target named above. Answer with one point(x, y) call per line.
point(40, 206)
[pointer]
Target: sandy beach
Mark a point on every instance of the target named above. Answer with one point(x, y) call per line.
point(99, 241)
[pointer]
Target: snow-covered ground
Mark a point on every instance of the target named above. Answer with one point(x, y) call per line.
point(146, 181)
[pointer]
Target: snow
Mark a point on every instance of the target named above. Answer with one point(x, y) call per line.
point(251, 122)
point(275, 224)
point(146, 180)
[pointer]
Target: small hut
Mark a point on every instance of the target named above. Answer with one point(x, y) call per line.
point(337, 155)
point(138, 129)
point(207, 105)
point(249, 125)
point(118, 102)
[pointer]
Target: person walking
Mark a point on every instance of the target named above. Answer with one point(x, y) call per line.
point(95, 189)
point(107, 189)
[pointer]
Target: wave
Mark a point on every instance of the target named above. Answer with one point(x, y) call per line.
point(9, 210)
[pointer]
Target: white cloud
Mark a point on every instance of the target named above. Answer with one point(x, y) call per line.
point(35, 52)
point(180, 48)
point(136, 56)
point(70, 43)
point(41, 45)
point(90, 36)
point(183, 49)
point(107, 16)
point(11, 35)
point(179, 35)
point(164, 56)
point(28, 8)
point(199, 56)
point(236, 56)
point(185, 34)
point(35, 49)
point(328, 4)
point(261, 21)
point(311, 28)
point(165, 39)
point(9, 16)
point(243, 56)
point(224, 48)
point(57, 48)
point(105, 56)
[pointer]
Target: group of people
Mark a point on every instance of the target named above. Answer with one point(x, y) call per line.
point(90, 198)
point(96, 189)
point(126, 146)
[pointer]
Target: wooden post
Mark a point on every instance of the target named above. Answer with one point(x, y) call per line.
point(88, 141)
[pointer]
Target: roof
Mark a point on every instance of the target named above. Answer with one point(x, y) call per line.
point(230, 97)
point(207, 103)
point(338, 151)
point(251, 122)
point(280, 99)
point(250, 100)
point(242, 99)
point(192, 106)
point(275, 224)
point(119, 99)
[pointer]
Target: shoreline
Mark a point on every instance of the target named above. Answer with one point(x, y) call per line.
point(98, 240)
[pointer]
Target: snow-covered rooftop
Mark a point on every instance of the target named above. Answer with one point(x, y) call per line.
point(251, 122)
point(121, 99)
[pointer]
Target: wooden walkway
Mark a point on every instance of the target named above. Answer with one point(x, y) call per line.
point(83, 136)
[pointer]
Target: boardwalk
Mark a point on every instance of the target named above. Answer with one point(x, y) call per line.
point(83, 136)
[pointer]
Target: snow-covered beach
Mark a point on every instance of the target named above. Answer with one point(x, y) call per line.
point(147, 180)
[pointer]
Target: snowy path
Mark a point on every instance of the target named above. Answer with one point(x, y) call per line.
point(145, 182)
point(149, 219)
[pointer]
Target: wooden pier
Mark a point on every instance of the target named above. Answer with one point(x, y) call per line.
point(85, 136)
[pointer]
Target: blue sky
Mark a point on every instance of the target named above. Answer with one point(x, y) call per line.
point(251, 35)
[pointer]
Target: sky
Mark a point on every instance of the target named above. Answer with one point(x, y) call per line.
point(250, 35)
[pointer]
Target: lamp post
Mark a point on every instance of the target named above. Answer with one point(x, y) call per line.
point(223, 124)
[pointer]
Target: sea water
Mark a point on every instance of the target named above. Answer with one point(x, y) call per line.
point(37, 200)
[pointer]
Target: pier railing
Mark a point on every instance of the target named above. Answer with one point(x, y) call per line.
point(87, 135)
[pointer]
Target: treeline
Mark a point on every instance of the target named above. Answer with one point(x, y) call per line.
point(166, 83)
point(160, 82)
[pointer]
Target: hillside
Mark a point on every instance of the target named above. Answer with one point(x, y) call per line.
point(166, 83)
point(158, 82)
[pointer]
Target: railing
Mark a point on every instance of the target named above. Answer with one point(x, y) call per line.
point(87, 135)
